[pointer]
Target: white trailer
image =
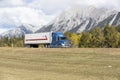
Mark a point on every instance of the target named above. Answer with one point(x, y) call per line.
point(38, 38)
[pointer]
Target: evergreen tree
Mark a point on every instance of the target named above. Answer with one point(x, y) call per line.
point(85, 40)
point(97, 39)
point(111, 37)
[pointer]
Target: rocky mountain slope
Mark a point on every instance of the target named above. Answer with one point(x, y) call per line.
point(82, 19)
point(19, 31)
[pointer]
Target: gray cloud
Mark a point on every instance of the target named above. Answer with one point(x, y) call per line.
point(54, 6)
point(59, 5)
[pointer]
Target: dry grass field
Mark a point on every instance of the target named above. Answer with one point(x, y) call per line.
point(59, 64)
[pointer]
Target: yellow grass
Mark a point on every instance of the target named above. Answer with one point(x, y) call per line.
point(59, 64)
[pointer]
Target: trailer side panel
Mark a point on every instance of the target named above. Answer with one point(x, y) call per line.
point(38, 38)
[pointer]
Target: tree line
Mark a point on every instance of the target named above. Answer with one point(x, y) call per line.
point(12, 42)
point(106, 37)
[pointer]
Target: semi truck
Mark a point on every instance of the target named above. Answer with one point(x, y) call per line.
point(48, 39)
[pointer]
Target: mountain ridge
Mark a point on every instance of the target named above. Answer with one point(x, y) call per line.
point(79, 20)
point(75, 20)
point(19, 31)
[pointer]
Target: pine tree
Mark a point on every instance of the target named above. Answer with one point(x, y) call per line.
point(97, 39)
point(85, 40)
point(111, 37)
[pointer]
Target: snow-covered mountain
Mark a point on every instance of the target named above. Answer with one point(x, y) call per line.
point(82, 19)
point(19, 31)
point(19, 20)
point(74, 20)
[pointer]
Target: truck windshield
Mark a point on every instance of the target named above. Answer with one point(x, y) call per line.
point(62, 38)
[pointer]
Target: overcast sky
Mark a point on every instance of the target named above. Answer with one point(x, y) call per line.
point(54, 6)
point(27, 11)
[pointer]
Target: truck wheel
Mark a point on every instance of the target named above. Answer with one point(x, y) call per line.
point(59, 46)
